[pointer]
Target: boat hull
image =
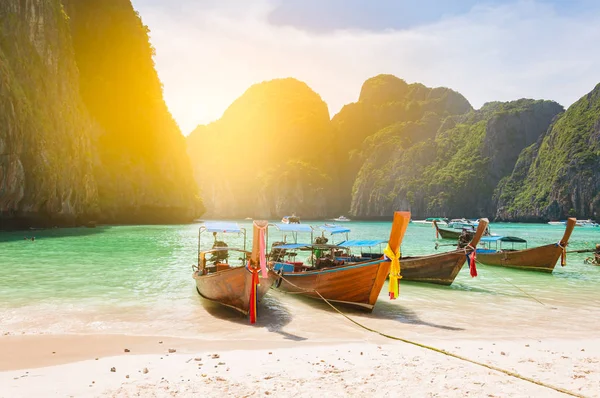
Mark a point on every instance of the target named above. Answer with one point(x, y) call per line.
point(542, 259)
point(357, 284)
point(447, 234)
point(440, 269)
point(231, 287)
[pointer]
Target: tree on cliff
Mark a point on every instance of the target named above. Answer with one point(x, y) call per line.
point(558, 175)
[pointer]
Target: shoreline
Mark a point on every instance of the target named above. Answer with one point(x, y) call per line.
point(246, 367)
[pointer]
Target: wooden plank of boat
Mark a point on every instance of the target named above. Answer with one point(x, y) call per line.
point(446, 233)
point(441, 268)
point(542, 258)
point(356, 284)
point(232, 286)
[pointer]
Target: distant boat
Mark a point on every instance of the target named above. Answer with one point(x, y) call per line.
point(430, 220)
point(293, 219)
point(231, 283)
point(455, 234)
point(341, 219)
point(587, 223)
point(578, 223)
point(460, 223)
point(542, 258)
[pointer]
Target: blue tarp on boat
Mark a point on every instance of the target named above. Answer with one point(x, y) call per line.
point(220, 226)
point(294, 227)
point(362, 243)
point(335, 229)
point(502, 239)
point(292, 246)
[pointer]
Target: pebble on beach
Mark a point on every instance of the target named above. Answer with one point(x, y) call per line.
point(127, 350)
point(145, 370)
point(172, 350)
point(113, 369)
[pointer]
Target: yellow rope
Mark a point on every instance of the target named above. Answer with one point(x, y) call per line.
point(438, 350)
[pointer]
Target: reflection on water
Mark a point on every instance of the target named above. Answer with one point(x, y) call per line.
point(137, 280)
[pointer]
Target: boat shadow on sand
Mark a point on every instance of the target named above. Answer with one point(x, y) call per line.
point(383, 310)
point(273, 315)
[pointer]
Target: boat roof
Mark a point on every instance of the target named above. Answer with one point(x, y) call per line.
point(502, 239)
point(361, 243)
point(334, 229)
point(307, 246)
point(221, 226)
point(293, 227)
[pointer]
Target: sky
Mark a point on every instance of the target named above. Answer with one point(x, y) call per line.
point(208, 52)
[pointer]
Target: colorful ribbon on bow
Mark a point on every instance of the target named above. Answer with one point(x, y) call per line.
point(263, 253)
point(394, 271)
point(472, 258)
point(253, 293)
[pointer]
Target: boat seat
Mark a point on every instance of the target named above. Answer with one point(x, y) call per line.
point(221, 267)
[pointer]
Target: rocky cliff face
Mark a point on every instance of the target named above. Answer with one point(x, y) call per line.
point(558, 176)
point(268, 156)
point(84, 131)
point(453, 173)
point(46, 173)
point(387, 106)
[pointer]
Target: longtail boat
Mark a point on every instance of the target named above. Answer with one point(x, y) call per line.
point(357, 284)
point(237, 285)
point(442, 268)
point(542, 258)
point(446, 233)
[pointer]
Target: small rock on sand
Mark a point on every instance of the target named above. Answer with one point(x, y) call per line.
point(127, 376)
point(113, 369)
point(502, 353)
point(126, 350)
point(197, 359)
point(145, 370)
point(172, 350)
point(215, 356)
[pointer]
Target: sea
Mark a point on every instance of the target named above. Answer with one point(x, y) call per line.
point(137, 280)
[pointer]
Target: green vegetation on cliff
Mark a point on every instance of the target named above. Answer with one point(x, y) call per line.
point(46, 170)
point(455, 169)
point(143, 171)
point(386, 106)
point(558, 176)
point(85, 133)
point(268, 156)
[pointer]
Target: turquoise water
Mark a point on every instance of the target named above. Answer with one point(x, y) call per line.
point(137, 279)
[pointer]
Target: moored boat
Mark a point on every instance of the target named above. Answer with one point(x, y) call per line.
point(446, 233)
point(293, 219)
point(460, 223)
point(235, 284)
point(357, 284)
point(442, 269)
point(341, 219)
point(430, 220)
point(542, 258)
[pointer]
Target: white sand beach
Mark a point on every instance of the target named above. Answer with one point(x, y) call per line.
point(374, 367)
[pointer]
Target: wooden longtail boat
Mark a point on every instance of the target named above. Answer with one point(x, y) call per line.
point(356, 284)
point(542, 258)
point(441, 268)
point(234, 286)
point(446, 233)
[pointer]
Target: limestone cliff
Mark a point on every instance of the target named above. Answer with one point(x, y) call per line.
point(84, 131)
point(270, 154)
point(46, 173)
point(558, 176)
point(386, 102)
point(455, 171)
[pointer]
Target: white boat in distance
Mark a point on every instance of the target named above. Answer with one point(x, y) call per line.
point(460, 223)
point(430, 220)
point(341, 219)
point(579, 223)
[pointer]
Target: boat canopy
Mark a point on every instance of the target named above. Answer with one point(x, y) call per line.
point(513, 239)
point(335, 229)
point(291, 246)
point(362, 243)
point(293, 227)
point(220, 226)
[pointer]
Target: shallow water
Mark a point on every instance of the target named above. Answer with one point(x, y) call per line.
point(137, 280)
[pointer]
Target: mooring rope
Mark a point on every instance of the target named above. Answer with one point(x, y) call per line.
point(438, 350)
point(516, 287)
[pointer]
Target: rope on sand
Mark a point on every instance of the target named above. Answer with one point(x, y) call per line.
point(438, 350)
